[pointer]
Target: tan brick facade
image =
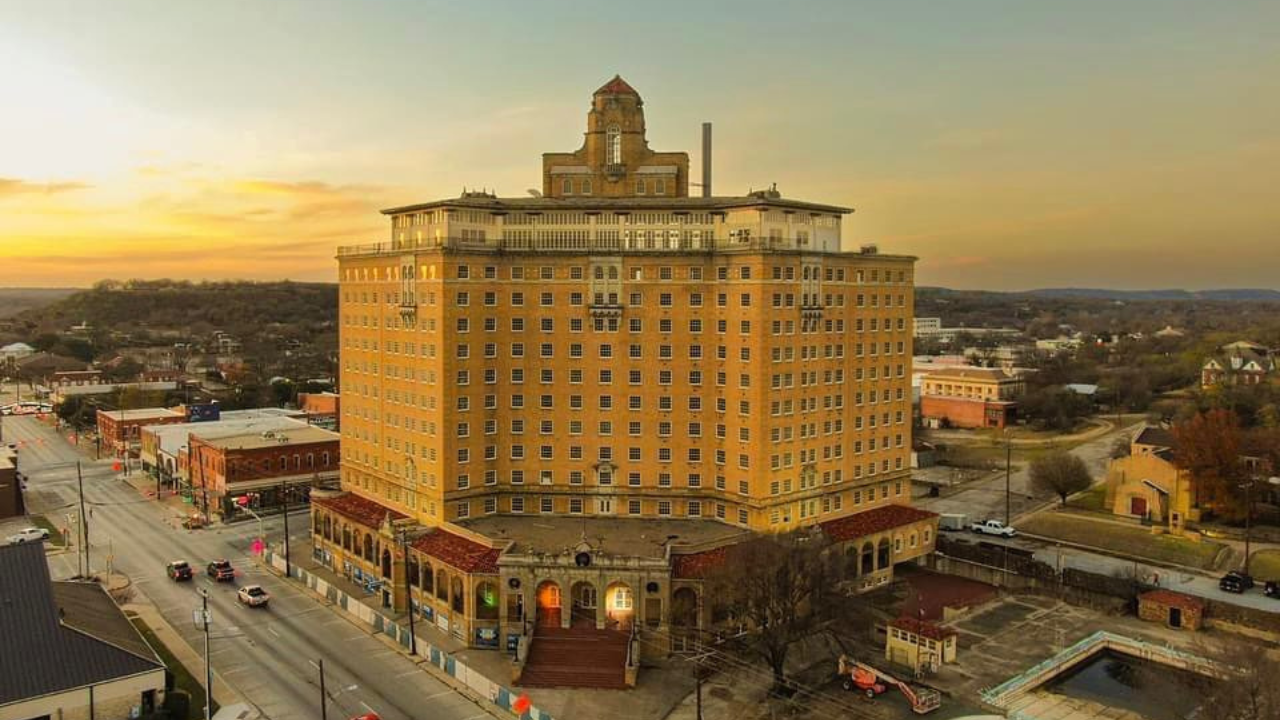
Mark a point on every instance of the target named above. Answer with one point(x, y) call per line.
point(693, 357)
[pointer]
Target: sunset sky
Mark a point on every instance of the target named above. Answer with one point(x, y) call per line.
point(1011, 145)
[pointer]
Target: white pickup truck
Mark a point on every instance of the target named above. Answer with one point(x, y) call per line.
point(993, 527)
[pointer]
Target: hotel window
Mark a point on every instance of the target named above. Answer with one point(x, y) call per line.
point(517, 477)
point(640, 186)
point(575, 506)
point(464, 509)
point(660, 186)
point(586, 186)
point(633, 507)
point(463, 299)
point(566, 186)
point(517, 504)
point(613, 145)
point(490, 505)
point(664, 508)
point(546, 504)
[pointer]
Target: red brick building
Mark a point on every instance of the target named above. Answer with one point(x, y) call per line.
point(1171, 608)
point(323, 409)
point(121, 430)
point(969, 397)
point(253, 468)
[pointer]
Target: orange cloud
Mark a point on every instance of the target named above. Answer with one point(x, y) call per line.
point(12, 186)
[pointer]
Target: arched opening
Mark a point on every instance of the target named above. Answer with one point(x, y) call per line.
point(868, 559)
point(368, 548)
point(882, 555)
point(428, 579)
point(620, 606)
point(316, 522)
point(459, 597)
point(386, 563)
point(328, 528)
point(346, 538)
point(582, 612)
point(442, 585)
point(548, 604)
point(684, 609)
point(850, 562)
point(486, 601)
point(413, 571)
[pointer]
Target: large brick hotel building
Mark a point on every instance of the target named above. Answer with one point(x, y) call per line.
point(569, 401)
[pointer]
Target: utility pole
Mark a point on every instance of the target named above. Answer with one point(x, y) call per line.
point(1008, 466)
point(1248, 518)
point(284, 500)
point(324, 699)
point(84, 520)
point(408, 593)
point(208, 668)
point(697, 674)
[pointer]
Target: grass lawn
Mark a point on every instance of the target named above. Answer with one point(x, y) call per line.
point(182, 678)
point(1265, 565)
point(55, 533)
point(1136, 541)
point(1091, 500)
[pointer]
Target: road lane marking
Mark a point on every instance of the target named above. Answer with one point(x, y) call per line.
point(442, 693)
point(366, 707)
point(272, 631)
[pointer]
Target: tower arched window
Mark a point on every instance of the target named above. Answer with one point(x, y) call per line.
point(613, 145)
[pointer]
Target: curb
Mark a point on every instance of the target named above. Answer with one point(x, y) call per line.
point(483, 704)
point(1118, 555)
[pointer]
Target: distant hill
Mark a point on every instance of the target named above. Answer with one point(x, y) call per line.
point(247, 309)
point(1228, 295)
point(18, 300)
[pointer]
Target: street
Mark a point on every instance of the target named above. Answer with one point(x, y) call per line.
point(984, 498)
point(267, 654)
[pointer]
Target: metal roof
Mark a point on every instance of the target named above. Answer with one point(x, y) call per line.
point(59, 641)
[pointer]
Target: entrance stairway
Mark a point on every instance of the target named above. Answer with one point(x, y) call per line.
point(577, 658)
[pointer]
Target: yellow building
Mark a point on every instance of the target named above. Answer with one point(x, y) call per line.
point(919, 644)
point(1148, 485)
point(614, 350)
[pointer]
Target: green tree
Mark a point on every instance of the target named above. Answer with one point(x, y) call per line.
point(1060, 473)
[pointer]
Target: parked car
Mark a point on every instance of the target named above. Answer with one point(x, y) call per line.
point(993, 527)
point(178, 570)
point(1235, 582)
point(29, 534)
point(367, 716)
point(953, 521)
point(1271, 589)
point(253, 596)
point(221, 570)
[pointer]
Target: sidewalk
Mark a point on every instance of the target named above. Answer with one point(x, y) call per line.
point(223, 694)
point(486, 674)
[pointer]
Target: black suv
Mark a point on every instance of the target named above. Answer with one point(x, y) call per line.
point(178, 570)
point(1235, 582)
point(221, 570)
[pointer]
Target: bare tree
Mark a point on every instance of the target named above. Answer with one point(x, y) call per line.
point(769, 586)
point(1250, 689)
point(1060, 473)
